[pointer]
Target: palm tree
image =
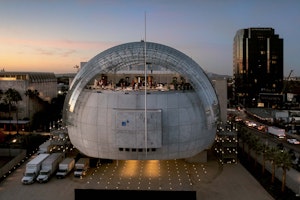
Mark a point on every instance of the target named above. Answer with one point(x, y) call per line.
point(1, 93)
point(12, 97)
point(31, 94)
point(270, 155)
point(244, 136)
point(283, 160)
point(258, 148)
point(251, 140)
point(265, 149)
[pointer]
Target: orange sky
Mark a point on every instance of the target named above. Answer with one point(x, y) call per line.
point(43, 55)
point(55, 36)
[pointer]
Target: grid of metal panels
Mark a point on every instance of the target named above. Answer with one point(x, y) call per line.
point(131, 54)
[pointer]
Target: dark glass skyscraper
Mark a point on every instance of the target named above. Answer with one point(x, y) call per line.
point(257, 65)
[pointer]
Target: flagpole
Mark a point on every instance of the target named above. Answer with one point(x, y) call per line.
point(145, 70)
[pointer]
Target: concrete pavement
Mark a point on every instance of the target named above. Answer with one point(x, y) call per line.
point(210, 181)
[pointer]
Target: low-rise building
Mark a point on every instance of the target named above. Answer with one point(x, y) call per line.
point(33, 87)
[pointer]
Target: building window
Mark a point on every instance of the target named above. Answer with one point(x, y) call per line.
point(262, 52)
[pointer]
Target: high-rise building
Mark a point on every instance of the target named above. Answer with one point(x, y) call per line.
point(257, 67)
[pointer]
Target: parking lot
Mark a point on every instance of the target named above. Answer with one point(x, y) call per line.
point(209, 180)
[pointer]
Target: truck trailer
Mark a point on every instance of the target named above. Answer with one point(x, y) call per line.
point(46, 147)
point(81, 167)
point(277, 132)
point(49, 167)
point(32, 168)
point(65, 167)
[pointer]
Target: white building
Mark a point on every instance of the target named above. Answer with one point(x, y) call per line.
point(170, 115)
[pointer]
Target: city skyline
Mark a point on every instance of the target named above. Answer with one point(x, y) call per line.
point(55, 36)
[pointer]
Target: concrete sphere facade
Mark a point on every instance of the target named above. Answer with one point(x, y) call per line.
point(117, 124)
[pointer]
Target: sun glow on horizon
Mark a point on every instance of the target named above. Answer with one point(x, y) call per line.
point(50, 56)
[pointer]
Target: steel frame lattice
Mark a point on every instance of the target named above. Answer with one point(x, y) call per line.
point(132, 54)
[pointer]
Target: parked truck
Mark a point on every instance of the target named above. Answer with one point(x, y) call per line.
point(65, 167)
point(46, 147)
point(32, 168)
point(81, 167)
point(49, 167)
point(277, 132)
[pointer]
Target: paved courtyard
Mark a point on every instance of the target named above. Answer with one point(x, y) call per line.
point(209, 180)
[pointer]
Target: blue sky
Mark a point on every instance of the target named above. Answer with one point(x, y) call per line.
point(56, 35)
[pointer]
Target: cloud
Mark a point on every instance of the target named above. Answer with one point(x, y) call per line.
point(56, 52)
point(62, 43)
point(69, 52)
point(62, 48)
point(45, 51)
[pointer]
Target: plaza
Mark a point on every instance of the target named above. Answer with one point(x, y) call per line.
point(209, 180)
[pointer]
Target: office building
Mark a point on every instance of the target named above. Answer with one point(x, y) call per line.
point(258, 67)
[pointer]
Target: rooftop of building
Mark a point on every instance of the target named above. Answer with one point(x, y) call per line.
point(32, 76)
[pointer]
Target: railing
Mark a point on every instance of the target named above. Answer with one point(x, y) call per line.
point(19, 155)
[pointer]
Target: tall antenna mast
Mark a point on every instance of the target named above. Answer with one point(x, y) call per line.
point(145, 70)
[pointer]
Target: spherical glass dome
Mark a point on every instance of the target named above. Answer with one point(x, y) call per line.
point(141, 100)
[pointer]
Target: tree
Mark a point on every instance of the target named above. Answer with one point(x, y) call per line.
point(270, 155)
point(293, 156)
point(283, 160)
point(11, 98)
point(244, 136)
point(50, 112)
point(1, 93)
point(265, 149)
point(258, 148)
point(31, 94)
point(56, 106)
point(251, 141)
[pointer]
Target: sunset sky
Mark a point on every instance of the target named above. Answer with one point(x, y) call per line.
point(56, 35)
